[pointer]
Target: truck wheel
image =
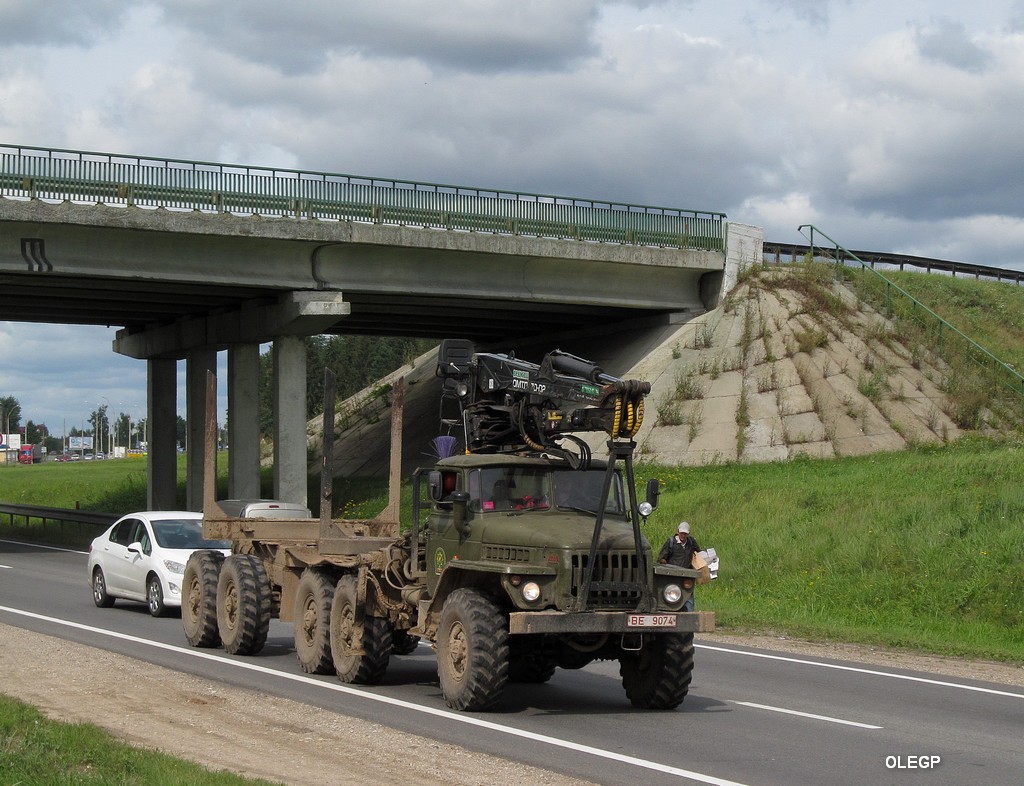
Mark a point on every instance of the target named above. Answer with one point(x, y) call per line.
point(657, 677)
point(531, 659)
point(403, 642)
point(199, 598)
point(472, 651)
point(100, 596)
point(243, 604)
point(313, 622)
point(360, 651)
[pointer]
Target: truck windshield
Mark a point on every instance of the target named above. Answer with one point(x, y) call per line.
point(516, 488)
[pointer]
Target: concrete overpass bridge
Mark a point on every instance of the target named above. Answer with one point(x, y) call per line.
point(191, 258)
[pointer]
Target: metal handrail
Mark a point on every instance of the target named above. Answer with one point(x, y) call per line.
point(109, 178)
point(83, 518)
point(1016, 382)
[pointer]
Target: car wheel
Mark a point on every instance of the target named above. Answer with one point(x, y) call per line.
point(155, 596)
point(100, 596)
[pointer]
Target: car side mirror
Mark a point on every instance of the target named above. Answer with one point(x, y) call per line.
point(135, 548)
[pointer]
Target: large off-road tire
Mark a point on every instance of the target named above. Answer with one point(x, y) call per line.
point(472, 651)
point(243, 604)
point(657, 677)
point(100, 596)
point(199, 598)
point(313, 622)
point(531, 659)
point(155, 596)
point(360, 651)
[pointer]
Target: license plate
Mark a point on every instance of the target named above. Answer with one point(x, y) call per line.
point(651, 621)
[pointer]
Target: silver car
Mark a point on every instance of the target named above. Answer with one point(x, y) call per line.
point(142, 557)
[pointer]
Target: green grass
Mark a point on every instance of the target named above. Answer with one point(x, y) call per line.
point(38, 751)
point(921, 549)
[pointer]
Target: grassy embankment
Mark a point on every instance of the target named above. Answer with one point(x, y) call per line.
point(38, 751)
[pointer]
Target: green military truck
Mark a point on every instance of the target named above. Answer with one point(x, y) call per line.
point(525, 553)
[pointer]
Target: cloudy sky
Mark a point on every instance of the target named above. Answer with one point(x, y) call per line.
point(893, 126)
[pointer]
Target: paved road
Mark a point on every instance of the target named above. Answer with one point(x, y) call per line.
point(752, 717)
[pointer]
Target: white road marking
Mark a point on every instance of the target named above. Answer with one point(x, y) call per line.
point(858, 670)
point(807, 715)
point(340, 688)
point(7, 567)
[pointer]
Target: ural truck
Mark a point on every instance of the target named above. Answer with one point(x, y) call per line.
point(524, 554)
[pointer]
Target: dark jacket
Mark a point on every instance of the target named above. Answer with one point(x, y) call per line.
point(676, 552)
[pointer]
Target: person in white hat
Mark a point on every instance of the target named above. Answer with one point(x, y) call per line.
point(679, 550)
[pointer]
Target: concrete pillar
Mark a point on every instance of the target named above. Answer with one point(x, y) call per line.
point(197, 363)
point(290, 419)
point(244, 421)
point(162, 414)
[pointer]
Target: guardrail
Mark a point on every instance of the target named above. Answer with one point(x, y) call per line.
point(107, 178)
point(92, 522)
point(894, 299)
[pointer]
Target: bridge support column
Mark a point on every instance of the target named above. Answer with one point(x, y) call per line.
point(197, 363)
point(290, 483)
point(243, 421)
point(162, 455)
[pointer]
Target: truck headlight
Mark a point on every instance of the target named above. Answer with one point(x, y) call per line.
point(645, 509)
point(672, 593)
point(531, 591)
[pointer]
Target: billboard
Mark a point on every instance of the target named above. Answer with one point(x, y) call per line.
point(12, 441)
point(79, 443)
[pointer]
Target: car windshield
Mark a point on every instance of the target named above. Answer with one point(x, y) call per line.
point(516, 488)
point(184, 534)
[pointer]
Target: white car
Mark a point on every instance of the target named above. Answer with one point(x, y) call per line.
point(142, 557)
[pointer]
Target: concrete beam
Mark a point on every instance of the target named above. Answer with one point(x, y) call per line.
point(243, 422)
point(162, 453)
point(302, 313)
point(290, 420)
point(197, 364)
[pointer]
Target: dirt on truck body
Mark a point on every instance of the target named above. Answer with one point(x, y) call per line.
point(525, 554)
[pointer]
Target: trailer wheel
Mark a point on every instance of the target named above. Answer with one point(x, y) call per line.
point(657, 677)
point(472, 651)
point(243, 604)
point(199, 598)
point(361, 651)
point(531, 659)
point(313, 622)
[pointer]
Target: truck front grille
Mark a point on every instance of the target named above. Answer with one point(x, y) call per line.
point(616, 582)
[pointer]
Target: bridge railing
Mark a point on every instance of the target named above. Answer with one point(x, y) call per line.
point(104, 178)
point(896, 301)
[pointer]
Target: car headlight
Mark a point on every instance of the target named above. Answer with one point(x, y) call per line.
point(531, 591)
point(174, 567)
point(672, 593)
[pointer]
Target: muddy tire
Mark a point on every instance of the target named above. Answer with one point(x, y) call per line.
point(313, 602)
point(531, 659)
point(199, 598)
point(100, 596)
point(243, 604)
point(360, 651)
point(155, 596)
point(472, 651)
point(657, 677)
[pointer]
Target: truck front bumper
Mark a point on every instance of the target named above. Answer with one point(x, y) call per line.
point(521, 622)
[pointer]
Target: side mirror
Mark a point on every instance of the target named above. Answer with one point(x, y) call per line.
point(135, 548)
point(653, 492)
point(460, 506)
point(434, 485)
